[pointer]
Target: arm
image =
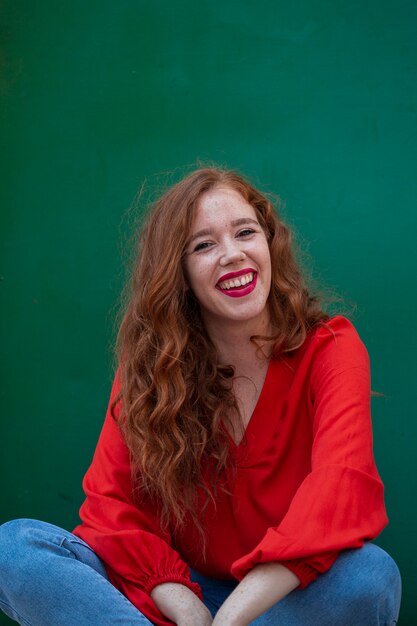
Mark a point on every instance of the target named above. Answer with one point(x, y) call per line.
point(262, 587)
point(181, 605)
point(125, 532)
point(340, 503)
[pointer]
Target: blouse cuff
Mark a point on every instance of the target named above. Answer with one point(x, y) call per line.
point(159, 579)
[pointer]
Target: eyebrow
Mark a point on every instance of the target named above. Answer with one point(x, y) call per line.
point(208, 231)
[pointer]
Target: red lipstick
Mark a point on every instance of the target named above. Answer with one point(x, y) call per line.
point(231, 275)
point(238, 292)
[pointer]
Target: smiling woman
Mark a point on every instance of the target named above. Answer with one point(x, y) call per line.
point(234, 480)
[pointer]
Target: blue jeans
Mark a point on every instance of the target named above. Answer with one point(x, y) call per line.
point(49, 577)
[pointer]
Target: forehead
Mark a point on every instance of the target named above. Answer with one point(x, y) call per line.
point(221, 205)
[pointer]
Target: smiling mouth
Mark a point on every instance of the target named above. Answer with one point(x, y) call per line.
point(239, 286)
point(236, 283)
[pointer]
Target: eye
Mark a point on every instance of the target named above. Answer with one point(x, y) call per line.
point(246, 232)
point(202, 246)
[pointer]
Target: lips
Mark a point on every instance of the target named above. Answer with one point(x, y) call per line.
point(228, 288)
point(232, 275)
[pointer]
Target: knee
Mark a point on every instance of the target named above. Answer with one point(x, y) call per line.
point(12, 534)
point(379, 568)
point(15, 542)
point(375, 580)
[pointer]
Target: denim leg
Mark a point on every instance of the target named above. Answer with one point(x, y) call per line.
point(48, 576)
point(363, 588)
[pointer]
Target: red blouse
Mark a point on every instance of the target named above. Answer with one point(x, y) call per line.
point(306, 484)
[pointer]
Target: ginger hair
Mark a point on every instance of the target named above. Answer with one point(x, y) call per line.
point(174, 392)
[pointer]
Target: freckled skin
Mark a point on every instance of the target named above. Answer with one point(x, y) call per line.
point(181, 605)
point(262, 587)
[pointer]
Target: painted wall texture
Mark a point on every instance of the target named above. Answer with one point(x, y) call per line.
point(315, 101)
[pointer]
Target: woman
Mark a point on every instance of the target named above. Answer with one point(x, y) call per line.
point(234, 480)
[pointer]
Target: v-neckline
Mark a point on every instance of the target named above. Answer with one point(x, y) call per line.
point(258, 406)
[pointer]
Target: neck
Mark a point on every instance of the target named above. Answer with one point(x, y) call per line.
point(232, 341)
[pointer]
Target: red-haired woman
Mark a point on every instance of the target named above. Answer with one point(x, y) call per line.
point(233, 481)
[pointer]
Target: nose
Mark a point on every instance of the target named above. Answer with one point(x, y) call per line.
point(231, 252)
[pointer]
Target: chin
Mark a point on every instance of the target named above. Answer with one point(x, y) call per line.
point(253, 315)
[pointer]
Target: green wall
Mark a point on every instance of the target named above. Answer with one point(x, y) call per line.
point(315, 101)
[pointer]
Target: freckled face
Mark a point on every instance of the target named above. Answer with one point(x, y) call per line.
point(227, 261)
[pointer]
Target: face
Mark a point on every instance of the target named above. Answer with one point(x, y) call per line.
point(227, 261)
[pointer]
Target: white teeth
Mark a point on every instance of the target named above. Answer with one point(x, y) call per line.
point(237, 282)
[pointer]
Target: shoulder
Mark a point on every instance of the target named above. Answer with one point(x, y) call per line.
point(336, 343)
point(335, 327)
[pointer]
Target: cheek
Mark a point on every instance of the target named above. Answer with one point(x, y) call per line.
point(203, 267)
point(267, 255)
point(197, 277)
point(262, 255)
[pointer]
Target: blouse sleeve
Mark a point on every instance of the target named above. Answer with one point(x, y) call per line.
point(340, 503)
point(138, 555)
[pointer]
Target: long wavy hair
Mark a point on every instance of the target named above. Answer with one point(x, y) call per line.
point(174, 392)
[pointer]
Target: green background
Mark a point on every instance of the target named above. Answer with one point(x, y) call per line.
point(315, 101)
